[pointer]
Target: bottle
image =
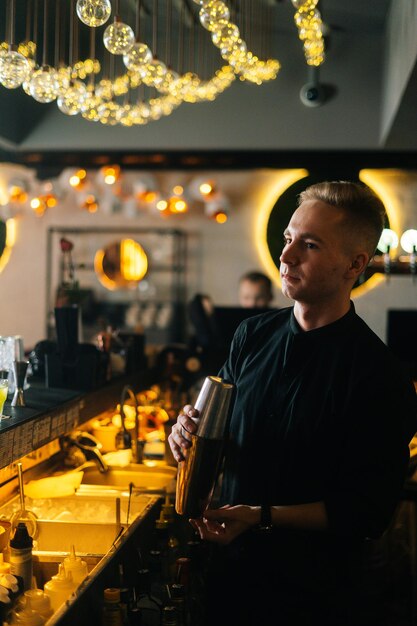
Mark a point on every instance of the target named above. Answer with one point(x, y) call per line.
point(167, 544)
point(39, 602)
point(76, 566)
point(27, 616)
point(169, 616)
point(149, 606)
point(60, 587)
point(178, 599)
point(13, 584)
point(21, 555)
point(112, 611)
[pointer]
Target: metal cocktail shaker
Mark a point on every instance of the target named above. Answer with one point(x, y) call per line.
point(197, 474)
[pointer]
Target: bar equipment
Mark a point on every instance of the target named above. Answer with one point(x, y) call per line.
point(23, 514)
point(198, 473)
point(20, 369)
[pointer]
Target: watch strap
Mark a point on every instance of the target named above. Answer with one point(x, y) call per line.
point(266, 518)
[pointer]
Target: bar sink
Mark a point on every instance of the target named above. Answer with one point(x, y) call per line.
point(145, 478)
point(91, 521)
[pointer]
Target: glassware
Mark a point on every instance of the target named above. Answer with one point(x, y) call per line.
point(4, 388)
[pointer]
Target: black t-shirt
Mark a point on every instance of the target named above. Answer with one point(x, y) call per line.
point(320, 415)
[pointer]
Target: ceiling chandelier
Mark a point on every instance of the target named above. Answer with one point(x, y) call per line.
point(130, 69)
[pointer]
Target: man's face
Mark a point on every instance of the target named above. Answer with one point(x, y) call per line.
point(315, 258)
point(253, 294)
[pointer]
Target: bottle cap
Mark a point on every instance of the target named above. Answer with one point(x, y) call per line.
point(39, 601)
point(76, 566)
point(112, 594)
point(161, 524)
point(4, 595)
point(10, 582)
point(21, 538)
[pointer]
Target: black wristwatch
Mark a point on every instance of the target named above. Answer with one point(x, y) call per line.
point(266, 520)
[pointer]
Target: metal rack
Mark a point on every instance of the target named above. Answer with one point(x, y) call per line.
point(163, 305)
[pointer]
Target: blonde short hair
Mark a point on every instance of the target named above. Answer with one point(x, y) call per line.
point(364, 211)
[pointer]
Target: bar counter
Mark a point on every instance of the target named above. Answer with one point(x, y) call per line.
point(31, 435)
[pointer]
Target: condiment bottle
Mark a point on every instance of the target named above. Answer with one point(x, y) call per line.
point(112, 610)
point(14, 584)
point(27, 616)
point(76, 566)
point(60, 587)
point(169, 616)
point(40, 602)
point(21, 555)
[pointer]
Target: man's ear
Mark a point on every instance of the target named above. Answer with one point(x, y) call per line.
point(357, 265)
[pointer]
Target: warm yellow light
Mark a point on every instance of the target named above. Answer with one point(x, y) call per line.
point(149, 196)
point(11, 235)
point(205, 189)
point(81, 174)
point(220, 217)
point(266, 200)
point(17, 194)
point(111, 174)
point(100, 273)
point(35, 203)
point(90, 204)
point(379, 182)
point(178, 205)
point(133, 260)
point(74, 181)
point(162, 205)
point(51, 201)
point(178, 190)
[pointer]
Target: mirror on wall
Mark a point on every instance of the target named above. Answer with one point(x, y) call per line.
point(121, 264)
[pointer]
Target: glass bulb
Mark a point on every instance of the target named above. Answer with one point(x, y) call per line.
point(155, 73)
point(90, 106)
point(138, 55)
point(107, 113)
point(118, 38)
point(225, 35)
point(388, 240)
point(93, 12)
point(168, 81)
point(212, 13)
point(409, 241)
point(32, 67)
point(44, 85)
point(13, 69)
point(308, 3)
point(72, 100)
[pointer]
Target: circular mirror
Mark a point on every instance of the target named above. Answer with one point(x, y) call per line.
point(121, 264)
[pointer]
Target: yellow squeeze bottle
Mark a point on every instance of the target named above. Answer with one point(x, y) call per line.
point(60, 587)
point(76, 566)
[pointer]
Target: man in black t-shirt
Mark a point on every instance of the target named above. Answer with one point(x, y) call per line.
point(317, 449)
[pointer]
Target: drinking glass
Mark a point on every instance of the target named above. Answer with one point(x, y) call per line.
point(4, 389)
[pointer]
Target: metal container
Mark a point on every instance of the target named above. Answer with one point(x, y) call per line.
point(197, 474)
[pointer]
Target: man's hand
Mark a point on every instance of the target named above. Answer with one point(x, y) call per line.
point(185, 426)
point(225, 524)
